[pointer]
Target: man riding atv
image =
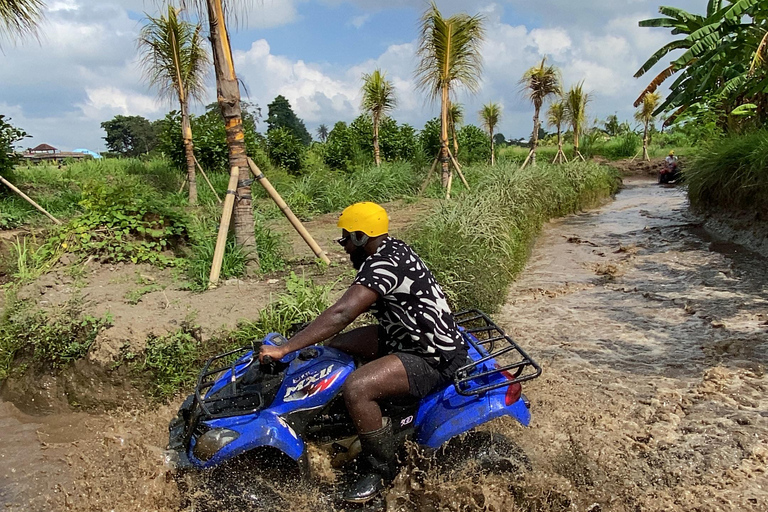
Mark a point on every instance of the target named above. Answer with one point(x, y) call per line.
point(671, 169)
point(415, 348)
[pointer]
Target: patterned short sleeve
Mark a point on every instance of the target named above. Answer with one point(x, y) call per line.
point(379, 274)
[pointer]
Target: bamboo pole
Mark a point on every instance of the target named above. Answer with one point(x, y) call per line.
point(429, 174)
point(207, 180)
point(259, 176)
point(25, 196)
point(526, 160)
point(226, 216)
point(183, 183)
point(458, 169)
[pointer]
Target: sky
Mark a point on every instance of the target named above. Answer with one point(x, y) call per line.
point(82, 69)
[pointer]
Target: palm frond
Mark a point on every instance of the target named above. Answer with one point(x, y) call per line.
point(646, 112)
point(449, 51)
point(539, 82)
point(759, 59)
point(378, 94)
point(655, 83)
point(490, 115)
point(19, 17)
point(173, 56)
point(576, 100)
point(556, 114)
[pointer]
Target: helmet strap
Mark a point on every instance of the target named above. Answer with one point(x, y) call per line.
point(358, 238)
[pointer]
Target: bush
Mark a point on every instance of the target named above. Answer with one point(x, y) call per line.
point(474, 145)
point(730, 173)
point(477, 245)
point(285, 150)
point(51, 339)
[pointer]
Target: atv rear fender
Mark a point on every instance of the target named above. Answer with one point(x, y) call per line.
point(450, 414)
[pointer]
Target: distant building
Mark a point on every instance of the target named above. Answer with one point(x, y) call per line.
point(49, 154)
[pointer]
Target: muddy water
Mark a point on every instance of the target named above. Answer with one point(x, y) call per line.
point(653, 338)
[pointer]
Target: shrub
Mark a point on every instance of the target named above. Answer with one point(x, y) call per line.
point(285, 150)
point(730, 173)
point(474, 145)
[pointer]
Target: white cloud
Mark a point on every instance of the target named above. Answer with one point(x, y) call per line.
point(106, 102)
point(359, 21)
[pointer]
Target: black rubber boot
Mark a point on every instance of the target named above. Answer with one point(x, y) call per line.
point(378, 467)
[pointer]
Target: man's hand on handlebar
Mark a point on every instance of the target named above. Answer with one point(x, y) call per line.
point(276, 353)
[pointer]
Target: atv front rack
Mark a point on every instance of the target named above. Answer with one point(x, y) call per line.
point(484, 336)
point(213, 368)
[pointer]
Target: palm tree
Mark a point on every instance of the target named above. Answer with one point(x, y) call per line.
point(175, 63)
point(455, 118)
point(490, 114)
point(450, 56)
point(378, 99)
point(645, 115)
point(19, 17)
point(228, 94)
point(539, 82)
point(322, 132)
point(576, 113)
point(556, 116)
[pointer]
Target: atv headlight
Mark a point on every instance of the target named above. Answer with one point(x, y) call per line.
point(212, 441)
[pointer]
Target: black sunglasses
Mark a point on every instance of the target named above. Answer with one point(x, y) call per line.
point(342, 241)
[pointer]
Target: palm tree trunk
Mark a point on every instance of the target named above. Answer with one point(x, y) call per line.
point(376, 152)
point(559, 143)
point(493, 156)
point(444, 139)
point(228, 95)
point(535, 138)
point(645, 143)
point(189, 152)
point(576, 139)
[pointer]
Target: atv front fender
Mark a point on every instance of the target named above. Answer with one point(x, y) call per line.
point(259, 430)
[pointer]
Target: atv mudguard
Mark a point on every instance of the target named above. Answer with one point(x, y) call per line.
point(448, 414)
point(256, 430)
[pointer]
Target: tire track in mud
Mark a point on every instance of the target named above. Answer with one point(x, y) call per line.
point(653, 338)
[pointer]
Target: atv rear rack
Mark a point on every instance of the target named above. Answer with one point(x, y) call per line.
point(484, 335)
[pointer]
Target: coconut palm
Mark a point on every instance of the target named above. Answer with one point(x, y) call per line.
point(228, 94)
point(322, 132)
point(378, 99)
point(490, 115)
point(538, 83)
point(449, 49)
point(455, 118)
point(556, 116)
point(645, 115)
point(576, 113)
point(175, 63)
point(19, 17)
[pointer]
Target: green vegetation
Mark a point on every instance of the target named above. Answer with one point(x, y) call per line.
point(730, 173)
point(281, 115)
point(49, 339)
point(170, 363)
point(477, 245)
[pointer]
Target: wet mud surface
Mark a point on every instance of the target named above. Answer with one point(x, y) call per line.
point(653, 337)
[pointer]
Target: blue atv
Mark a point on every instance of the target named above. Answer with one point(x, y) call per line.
point(251, 416)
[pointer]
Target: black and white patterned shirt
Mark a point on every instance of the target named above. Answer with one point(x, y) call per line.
point(412, 307)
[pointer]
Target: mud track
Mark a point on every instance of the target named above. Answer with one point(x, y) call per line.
point(653, 338)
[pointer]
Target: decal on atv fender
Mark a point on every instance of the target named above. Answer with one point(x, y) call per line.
point(311, 385)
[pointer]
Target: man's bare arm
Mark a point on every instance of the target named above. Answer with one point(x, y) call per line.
point(355, 301)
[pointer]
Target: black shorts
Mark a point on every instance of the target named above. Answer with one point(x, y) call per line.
point(423, 378)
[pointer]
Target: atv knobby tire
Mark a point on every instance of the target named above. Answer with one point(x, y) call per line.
point(492, 453)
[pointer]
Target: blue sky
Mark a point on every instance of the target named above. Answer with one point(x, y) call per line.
point(83, 68)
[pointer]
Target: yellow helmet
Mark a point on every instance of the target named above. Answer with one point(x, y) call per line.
point(370, 218)
point(672, 153)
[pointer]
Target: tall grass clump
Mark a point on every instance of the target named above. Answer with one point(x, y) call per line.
point(730, 173)
point(477, 245)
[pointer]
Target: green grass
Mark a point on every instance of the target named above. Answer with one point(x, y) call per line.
point(477, 245)
point(50, 339)
point(730, 173)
